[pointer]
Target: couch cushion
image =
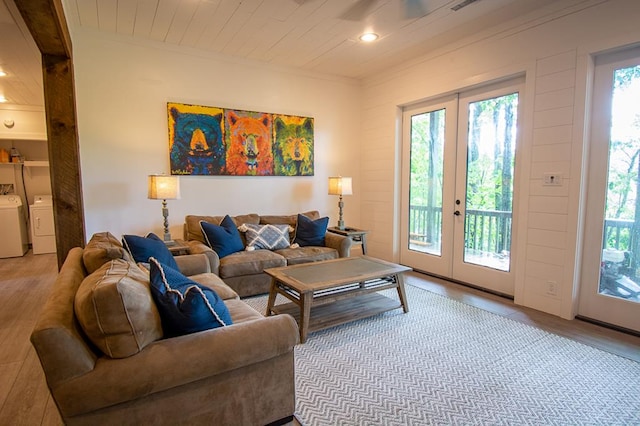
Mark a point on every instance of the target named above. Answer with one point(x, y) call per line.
point(241, 312)
point(142, 248)
point(216, 284)
point(298, 255)
point(311, 232)
point(249, 262)
point(192, 229)
point(185, 306)
point(266, 237)
point(102, 248)
point(116, 311)
point(224, 239)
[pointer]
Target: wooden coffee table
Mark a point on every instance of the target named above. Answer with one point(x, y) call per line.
point(328, 293)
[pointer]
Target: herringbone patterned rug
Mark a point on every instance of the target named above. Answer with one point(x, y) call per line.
point(449, 363)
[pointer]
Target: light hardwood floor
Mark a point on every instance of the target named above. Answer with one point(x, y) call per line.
point(25, 283)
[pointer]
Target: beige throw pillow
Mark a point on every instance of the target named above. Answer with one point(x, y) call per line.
point(101, 248)
point(115, 309)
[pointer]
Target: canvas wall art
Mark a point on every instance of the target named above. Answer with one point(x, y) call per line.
point(213, 141)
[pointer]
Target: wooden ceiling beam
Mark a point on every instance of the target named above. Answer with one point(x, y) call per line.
point(47, 24)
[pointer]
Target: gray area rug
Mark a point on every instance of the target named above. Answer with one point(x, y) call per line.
point(449, 363)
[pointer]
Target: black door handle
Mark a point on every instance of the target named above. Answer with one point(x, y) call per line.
point(457, 213)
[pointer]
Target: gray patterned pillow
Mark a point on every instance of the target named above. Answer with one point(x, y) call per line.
point(266, 237)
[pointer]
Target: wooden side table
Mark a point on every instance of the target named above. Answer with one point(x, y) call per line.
point(179, 248)
point(359, 236)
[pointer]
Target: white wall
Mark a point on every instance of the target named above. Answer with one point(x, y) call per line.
point(122, 91)
point(554, 52)
point(22, 122)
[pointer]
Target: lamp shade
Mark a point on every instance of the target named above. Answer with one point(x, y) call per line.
point(162, 187)
point(339, 185)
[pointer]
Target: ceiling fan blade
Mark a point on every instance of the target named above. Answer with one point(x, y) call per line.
point(414, 9)
point(358, 11)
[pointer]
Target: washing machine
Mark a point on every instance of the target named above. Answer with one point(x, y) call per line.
point(43, 234)
point(13, 227)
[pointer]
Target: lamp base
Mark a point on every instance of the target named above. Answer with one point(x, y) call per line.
point(167, 238)
point(340, 221)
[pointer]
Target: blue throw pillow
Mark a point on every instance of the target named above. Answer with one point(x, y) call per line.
point(224, 239)
point(154, 237)
point(185, 306)
point(311, 232)
point(142, 248)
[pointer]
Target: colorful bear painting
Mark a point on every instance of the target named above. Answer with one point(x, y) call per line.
point(248, 143)
point(196, 144)
point(216, 141)
point(293, 145)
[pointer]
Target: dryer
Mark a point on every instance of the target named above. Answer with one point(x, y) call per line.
point(13, 227)
point(43, 234)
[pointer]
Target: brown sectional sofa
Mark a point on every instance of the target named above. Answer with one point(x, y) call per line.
point(241, 374)
point(244, 271)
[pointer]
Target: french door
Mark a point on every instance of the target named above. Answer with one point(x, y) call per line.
point(610, 284)
point(458, 173)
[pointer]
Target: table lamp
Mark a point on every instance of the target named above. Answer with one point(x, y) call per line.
point(162, 187)
point(339, 185)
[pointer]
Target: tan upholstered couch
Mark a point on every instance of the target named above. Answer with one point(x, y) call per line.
point(242, 374)
point(244, 271)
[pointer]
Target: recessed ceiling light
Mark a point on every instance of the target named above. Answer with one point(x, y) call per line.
point(368, 37)
point(3, 99)
point(2, 73)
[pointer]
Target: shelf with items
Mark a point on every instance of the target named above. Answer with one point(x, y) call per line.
point(27, 163)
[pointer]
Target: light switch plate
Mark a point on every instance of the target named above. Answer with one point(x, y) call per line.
point(552, 179)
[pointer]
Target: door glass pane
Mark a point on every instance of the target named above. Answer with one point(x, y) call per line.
point(620, 262)
point(489, 192)
point(425, 191)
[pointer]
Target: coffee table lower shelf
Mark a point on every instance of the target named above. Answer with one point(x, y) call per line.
point(342, 311)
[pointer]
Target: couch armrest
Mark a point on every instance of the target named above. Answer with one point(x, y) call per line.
point(339, 242)
point(193, 264)
point(57, 336)
point(169, 363)
point(197, 247)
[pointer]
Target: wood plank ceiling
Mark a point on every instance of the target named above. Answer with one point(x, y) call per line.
point(312, 35)
point(304, 34)
point(19, 59)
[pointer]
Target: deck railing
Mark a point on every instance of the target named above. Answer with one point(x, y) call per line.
point(485, 230)
point(425, 224)
point(618, 234)
point(490, 230)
